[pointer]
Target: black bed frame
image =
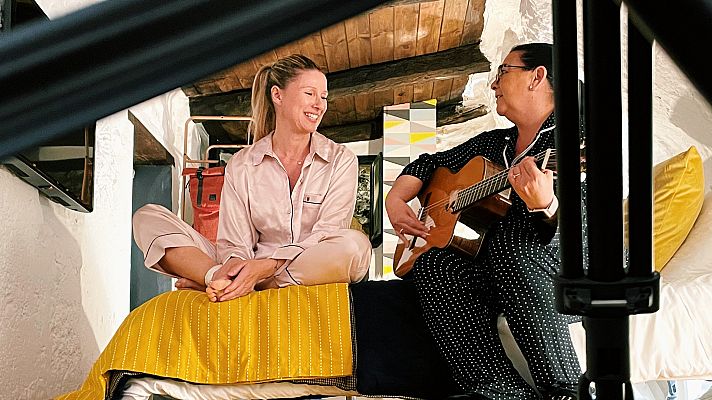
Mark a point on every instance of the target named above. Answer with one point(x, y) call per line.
point(62, 75)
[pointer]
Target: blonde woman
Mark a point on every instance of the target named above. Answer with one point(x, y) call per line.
point(286, 203)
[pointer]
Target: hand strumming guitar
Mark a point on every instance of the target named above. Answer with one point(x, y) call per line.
point(402, 217)
point(533, 185)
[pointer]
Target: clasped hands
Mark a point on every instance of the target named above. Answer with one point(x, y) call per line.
point(238, 277)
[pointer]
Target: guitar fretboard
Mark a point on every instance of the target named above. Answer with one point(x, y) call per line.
point(497, 182)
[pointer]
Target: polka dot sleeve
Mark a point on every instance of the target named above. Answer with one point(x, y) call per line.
point(455, 158)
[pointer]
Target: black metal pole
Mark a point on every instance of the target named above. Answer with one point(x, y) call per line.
point(68, 73)
point(604, 159)
point(682, 30)
point(608, 364)
point(640, 153)
point(567, 137)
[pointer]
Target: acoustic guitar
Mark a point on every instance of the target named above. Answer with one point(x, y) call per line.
point(458, 208)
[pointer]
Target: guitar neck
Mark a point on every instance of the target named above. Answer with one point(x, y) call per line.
point(497, 182)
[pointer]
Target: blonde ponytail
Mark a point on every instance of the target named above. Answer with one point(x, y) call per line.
point(263, 117)
point(279, 74)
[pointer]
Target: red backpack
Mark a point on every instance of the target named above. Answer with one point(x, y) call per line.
point(205, 183)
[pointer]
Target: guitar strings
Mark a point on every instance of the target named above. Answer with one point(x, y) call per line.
point(482, 184)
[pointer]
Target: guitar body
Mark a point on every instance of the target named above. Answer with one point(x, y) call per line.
point(462, 230)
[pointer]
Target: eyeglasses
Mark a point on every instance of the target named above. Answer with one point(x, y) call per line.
point(501, 70)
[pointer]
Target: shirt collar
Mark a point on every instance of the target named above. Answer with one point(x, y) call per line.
point(546, 129)
point(319, 145)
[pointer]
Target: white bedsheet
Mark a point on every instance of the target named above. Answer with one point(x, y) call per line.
point(143, 388)
point(675, 342)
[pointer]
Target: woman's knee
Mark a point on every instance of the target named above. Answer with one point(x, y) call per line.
point(355, 251)
point(147, 213)
point(437, 264)
point(355, 242)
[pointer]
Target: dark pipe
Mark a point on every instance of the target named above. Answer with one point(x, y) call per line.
point(67, 73)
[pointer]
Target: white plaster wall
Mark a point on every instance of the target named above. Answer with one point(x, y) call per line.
point(682, 117)
point(64, 275)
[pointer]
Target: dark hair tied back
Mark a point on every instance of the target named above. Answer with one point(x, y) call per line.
point(538, 54)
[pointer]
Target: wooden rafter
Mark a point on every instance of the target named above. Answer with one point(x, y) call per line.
point(456, 63)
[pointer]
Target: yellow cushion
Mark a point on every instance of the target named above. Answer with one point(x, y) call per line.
point(678, 193)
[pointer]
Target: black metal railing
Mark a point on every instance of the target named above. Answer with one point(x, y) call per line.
point(64, 74)
point(608, 291)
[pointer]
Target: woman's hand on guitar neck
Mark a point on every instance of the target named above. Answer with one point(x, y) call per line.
point(402, 217)
point(533, 185)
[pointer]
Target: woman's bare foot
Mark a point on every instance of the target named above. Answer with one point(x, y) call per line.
point(216, 287)
point(185, 283)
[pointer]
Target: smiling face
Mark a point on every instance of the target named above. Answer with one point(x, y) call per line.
point(301, 104)
point(512, 88)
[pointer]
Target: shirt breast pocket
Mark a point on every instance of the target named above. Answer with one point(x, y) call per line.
point(311, 207)
point(313, 199)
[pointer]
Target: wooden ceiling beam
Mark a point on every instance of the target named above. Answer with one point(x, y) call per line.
point(454, 112)
point(358, 132)
point(448, 64)
point(395, 3)
point(147, 150)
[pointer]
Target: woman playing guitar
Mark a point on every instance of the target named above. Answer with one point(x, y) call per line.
point(512, 274)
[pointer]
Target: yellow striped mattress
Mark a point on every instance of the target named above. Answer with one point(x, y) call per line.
point(297, 332)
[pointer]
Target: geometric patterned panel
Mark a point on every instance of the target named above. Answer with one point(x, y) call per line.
point(408, 131)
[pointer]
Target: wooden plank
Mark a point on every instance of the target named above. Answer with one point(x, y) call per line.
point(455, 113)
point(228, 83)
point(458, 86)
point(406, 30)
point(363, 104)
point(441, 89)
point(431, 15)
point(288, 49)
point(370, 130)
point(422, 91)
point(329, 119)
point(382, 98)
point(403, 94)
point(236, 103)
point(266, 58)
point(335, 47)
point(396, 3)
point(147, 150)
point(474, 22)
point(459, 61)
point(235, 79)
point(208, 86)
point(440, 67)
point(382, 35)
point(190, 90)
point(344, 109)
point(358, 36)
point(313, 47)
point(453, 23)
point(245, 73)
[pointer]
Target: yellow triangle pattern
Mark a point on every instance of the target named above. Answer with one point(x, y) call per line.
point(391, 124)
point(420, 136)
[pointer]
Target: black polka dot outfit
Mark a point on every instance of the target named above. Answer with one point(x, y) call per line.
point(513, 275)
